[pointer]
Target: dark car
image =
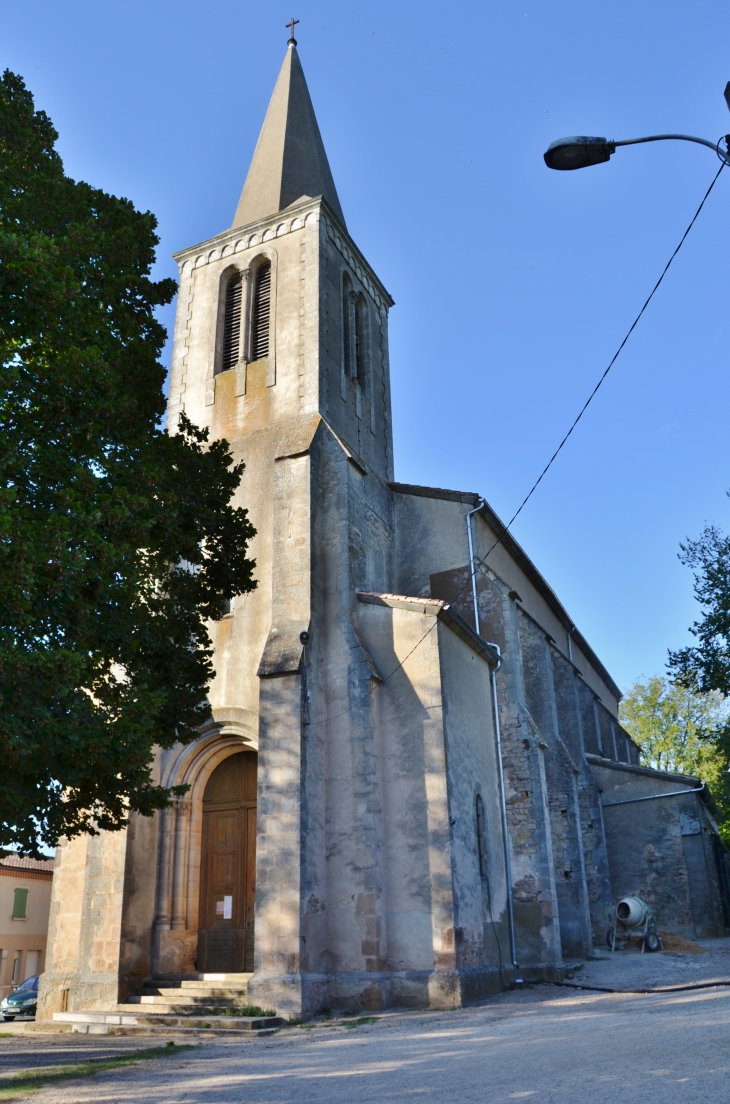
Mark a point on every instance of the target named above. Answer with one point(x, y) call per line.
point(22, 1001)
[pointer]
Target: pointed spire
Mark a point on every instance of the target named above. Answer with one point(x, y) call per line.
point(289, 160)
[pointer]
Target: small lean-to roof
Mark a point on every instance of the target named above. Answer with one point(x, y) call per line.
point(442, 611)
point(289, 161)
point(690, 781)
point(523, 561)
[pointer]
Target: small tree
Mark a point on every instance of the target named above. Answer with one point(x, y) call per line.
point(117, 540)
point(683, 731)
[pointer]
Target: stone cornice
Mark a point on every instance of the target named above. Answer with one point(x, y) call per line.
point(300, 214)
point(243, 237)
point(344, 245)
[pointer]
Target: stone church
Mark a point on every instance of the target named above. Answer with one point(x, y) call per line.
point(397, 800)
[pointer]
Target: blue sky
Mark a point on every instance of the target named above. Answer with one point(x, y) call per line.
point(513, 284)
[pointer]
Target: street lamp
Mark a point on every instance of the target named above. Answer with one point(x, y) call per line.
point(581, 151)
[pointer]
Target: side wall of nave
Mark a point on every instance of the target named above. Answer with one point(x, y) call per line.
point(551, 711)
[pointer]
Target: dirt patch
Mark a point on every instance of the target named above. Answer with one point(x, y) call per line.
point(677, 943)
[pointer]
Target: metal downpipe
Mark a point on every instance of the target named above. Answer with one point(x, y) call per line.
point(472, 565)
point(498, 734)
point(503, 805)
point(653, 797)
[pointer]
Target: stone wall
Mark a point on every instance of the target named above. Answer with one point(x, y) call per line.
point(561, 887)
point(445, 926)
point(662, 849)
point(85, 926)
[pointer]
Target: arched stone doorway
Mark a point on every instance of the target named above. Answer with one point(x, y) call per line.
point(228, 867)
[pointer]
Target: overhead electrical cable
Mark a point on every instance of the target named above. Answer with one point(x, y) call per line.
point(552, 459)
point(615, 357)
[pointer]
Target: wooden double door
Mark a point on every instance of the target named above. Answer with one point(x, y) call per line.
point(228, 867)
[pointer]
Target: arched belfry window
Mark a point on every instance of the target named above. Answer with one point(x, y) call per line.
point(232, 323)
point(261, 314)
point(245, 323)
point(353, 330)
point(347, 320)
point(359, 328)
point(482, 836)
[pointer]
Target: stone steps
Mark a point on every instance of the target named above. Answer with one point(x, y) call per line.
point(121, 1022)
point(198, 981)
point(175, 996)
point(180, 1007)
point(188, 982)
point(150, 993)
point(239, 1023)
point(187, 1004)
point(187, 996)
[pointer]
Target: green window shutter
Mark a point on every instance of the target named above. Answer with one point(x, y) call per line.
point(20, 904)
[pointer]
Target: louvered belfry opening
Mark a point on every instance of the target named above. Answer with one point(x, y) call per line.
point(232, 326)
point(357, 312)
point(347, 324)
point(261, 313)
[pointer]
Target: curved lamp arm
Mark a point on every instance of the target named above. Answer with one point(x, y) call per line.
point(678, 138)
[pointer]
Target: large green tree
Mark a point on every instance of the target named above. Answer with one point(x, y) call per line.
point(682, 730)
point(117, 541)
point(706, 665)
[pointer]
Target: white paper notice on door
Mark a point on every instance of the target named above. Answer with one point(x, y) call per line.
point(227, 908)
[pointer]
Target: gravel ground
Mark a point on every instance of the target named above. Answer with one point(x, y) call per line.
point(556, 1045)
point(630, 969)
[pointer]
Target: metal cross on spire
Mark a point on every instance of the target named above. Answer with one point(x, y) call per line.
point(290, 27)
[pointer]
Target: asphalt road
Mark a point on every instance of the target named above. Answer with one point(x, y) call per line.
point(546, 1044)
point(30, 1051)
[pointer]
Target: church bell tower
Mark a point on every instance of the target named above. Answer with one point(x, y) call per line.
point(281, 317)
point(281, 347)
